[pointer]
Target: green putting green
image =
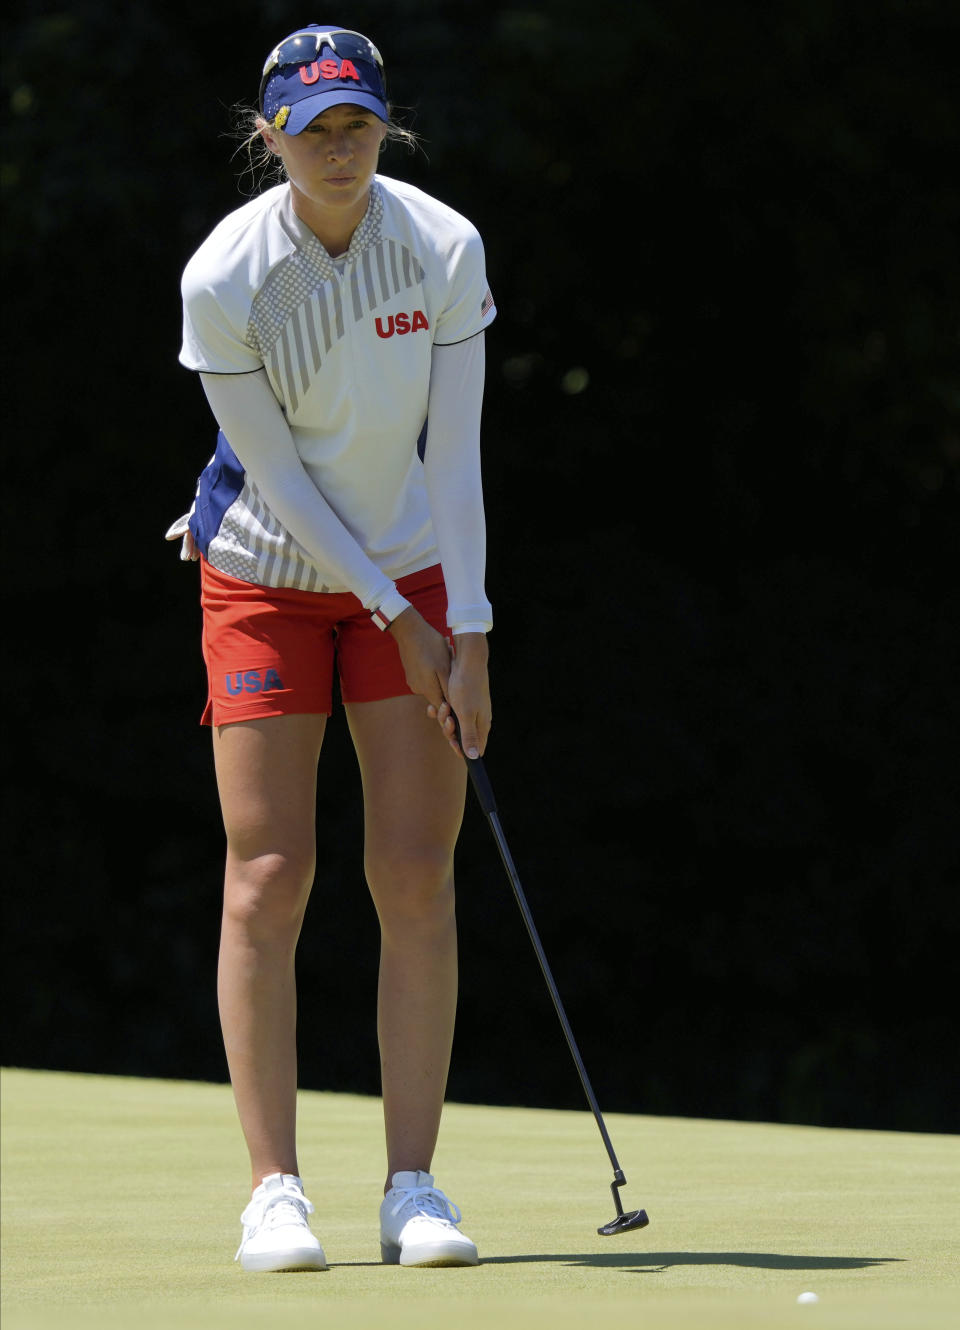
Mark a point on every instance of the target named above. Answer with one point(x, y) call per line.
point(121, 1204)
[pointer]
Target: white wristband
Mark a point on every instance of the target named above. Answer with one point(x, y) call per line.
point(390, 608)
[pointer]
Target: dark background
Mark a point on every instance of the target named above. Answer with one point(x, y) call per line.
point(722, 452)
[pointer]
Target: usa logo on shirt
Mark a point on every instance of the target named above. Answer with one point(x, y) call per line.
point(486, 305)
point(402, 323)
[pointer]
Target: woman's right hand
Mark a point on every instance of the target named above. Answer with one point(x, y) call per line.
point(425, 655)
point(456, 687)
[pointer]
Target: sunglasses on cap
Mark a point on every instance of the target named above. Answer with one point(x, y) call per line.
point(303, 47)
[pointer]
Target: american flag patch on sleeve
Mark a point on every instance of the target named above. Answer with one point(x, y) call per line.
point(487, 304)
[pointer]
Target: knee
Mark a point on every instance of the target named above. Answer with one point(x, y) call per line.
point(267, 895)
point(412, 887)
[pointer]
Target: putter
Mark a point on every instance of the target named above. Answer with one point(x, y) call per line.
point(621, 1222)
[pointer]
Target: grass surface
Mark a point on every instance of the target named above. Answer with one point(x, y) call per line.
point(121, 1203)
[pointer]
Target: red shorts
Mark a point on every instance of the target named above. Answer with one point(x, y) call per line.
point(270, 651)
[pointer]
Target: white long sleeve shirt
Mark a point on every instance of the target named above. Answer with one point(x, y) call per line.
point(348, 394)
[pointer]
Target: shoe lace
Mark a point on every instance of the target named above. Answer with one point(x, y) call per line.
point(427, 1201)
point(288, 1206)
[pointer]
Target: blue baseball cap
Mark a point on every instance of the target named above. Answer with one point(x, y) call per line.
point(317, 67)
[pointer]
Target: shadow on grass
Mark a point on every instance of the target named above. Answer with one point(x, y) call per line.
point(653, 1263)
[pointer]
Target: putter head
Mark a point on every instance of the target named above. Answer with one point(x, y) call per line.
point(623, 1223)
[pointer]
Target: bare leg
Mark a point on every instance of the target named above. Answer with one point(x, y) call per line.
point(267, 778)
point(414, 788)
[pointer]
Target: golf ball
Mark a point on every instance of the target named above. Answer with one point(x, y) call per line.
point(808, 1297)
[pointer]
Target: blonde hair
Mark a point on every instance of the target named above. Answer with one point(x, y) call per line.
point(265, 167)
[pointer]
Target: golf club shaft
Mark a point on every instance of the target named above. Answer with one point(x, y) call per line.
point(484, 793)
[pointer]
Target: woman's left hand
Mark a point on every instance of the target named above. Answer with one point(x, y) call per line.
point(467, 697)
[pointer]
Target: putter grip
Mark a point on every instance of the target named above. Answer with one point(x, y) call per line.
point(478, 776)
point(481, 784)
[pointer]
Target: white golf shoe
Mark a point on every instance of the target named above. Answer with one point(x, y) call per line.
point(418, 1225)
point(276, 1235)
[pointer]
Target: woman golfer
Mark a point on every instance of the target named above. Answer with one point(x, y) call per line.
point(336, 322)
